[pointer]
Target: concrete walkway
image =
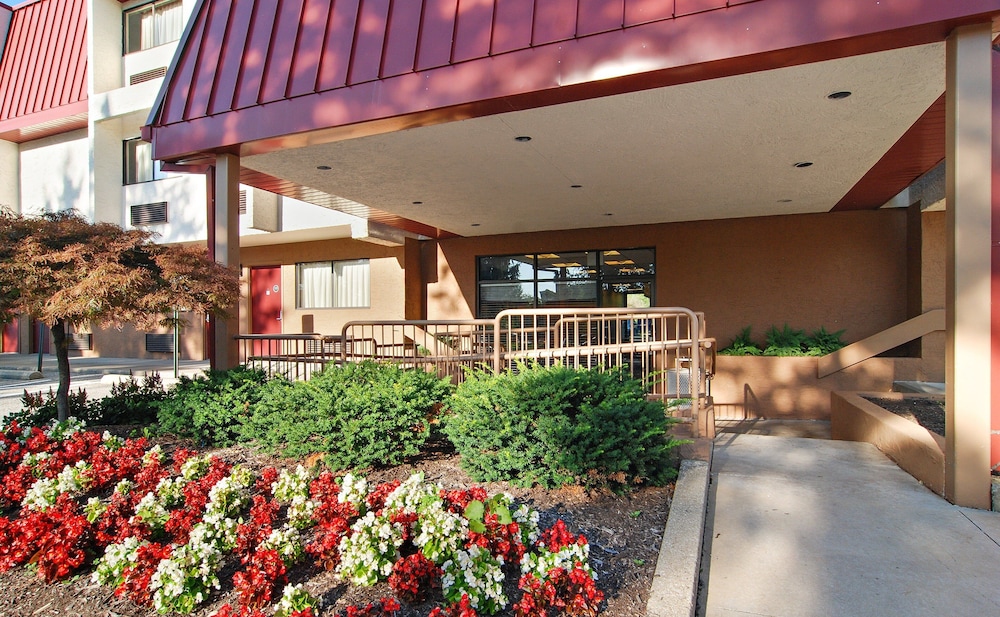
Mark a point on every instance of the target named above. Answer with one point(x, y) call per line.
point(94, 375)
point(809, 528)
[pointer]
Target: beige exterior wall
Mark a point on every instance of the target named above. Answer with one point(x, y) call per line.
point(839, 271)
point(388, 283)
point(130, 342)
point(934, 241)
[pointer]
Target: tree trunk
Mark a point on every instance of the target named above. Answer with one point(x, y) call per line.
point(62, 359)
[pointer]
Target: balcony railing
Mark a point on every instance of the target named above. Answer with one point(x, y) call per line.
point(666, 348)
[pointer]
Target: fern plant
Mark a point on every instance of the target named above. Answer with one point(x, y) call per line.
point(785, 342)
point(821, 342)
point(742, 345)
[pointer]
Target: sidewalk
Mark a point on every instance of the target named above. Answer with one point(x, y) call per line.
point(17, 366)
point(94, 375)
point(814, 528)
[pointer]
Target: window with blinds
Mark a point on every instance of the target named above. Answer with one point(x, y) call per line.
point(333, 284)
point(152, 25)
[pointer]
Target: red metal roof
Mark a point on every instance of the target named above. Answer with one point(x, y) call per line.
point(258, 75)
point(43, 70)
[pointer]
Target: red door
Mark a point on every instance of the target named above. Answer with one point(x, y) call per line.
point(9, 341)
point(265, 306)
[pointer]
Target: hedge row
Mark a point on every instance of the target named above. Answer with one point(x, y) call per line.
point(546, 425)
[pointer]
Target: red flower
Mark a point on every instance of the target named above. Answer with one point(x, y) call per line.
point(565, 593)
point(463, 608)
point(257, 584)
point(386, 607)
point(414, 577)
point(376, 499)
point(136, 584)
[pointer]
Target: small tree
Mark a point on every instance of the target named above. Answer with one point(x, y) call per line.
point(63, 270)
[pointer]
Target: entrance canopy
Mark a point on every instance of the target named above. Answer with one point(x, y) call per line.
point(448, 117)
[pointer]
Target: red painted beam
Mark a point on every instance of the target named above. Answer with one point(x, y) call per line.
point(994, 400)
point(917, 151)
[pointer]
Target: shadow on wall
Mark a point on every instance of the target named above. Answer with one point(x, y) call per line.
point(748, 387)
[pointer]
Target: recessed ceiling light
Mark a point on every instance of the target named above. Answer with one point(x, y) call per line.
point(576, 186)
point(324, 167)
point(838, 95)
point(802, 164)
point(417, 203)
point(522, 138)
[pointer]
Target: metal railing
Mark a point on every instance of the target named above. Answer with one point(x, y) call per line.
point(448, 347)
point(294, 356)
point(666, 348)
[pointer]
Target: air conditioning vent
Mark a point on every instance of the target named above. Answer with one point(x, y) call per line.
point(243, 201)
point(160, 343)
point(79, 341)
point(149, 214)
point(139, 78)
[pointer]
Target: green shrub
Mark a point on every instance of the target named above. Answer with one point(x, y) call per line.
point(211, 409)
point(360, 415)
point(742, 345)
point(39, 409)
point(557, 425)
point(821, 342)
point(785, 342)
point(291, 417)
point(131, 401)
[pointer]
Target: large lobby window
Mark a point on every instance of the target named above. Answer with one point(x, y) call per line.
point(333, 284)
point(583, 279)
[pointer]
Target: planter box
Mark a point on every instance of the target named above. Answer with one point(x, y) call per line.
point(915, 449)
point(748, 387)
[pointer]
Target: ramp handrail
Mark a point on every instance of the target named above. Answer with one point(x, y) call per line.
point(890, 338)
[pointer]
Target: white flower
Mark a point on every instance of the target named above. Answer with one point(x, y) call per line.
point(353, 491)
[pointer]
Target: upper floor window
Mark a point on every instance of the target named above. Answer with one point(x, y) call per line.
point(139, 163)
point(156, 23)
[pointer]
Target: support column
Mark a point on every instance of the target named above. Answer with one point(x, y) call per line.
point(995, 278)
point(969, 143)
point(225, 240)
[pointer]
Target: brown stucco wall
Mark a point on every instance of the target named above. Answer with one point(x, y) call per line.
point(388, 282)
point(844, 270)
point(914, 448)
point(748, 387)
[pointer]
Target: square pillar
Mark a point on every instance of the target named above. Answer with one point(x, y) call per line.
point(969, 144)
point(225, 239)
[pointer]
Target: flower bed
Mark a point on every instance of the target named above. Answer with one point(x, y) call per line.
point(163, 532)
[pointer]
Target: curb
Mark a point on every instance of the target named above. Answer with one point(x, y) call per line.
point(19, 375)
point(674, 591)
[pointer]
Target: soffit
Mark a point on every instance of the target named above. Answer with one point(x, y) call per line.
point(718, 148)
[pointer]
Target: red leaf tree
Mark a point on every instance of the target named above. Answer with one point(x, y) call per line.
point(62, 270)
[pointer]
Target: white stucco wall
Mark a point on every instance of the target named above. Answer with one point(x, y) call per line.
point(303, 215)
point(10, 175)
point(104, 26)
point(186, 199)
point(55, 174)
